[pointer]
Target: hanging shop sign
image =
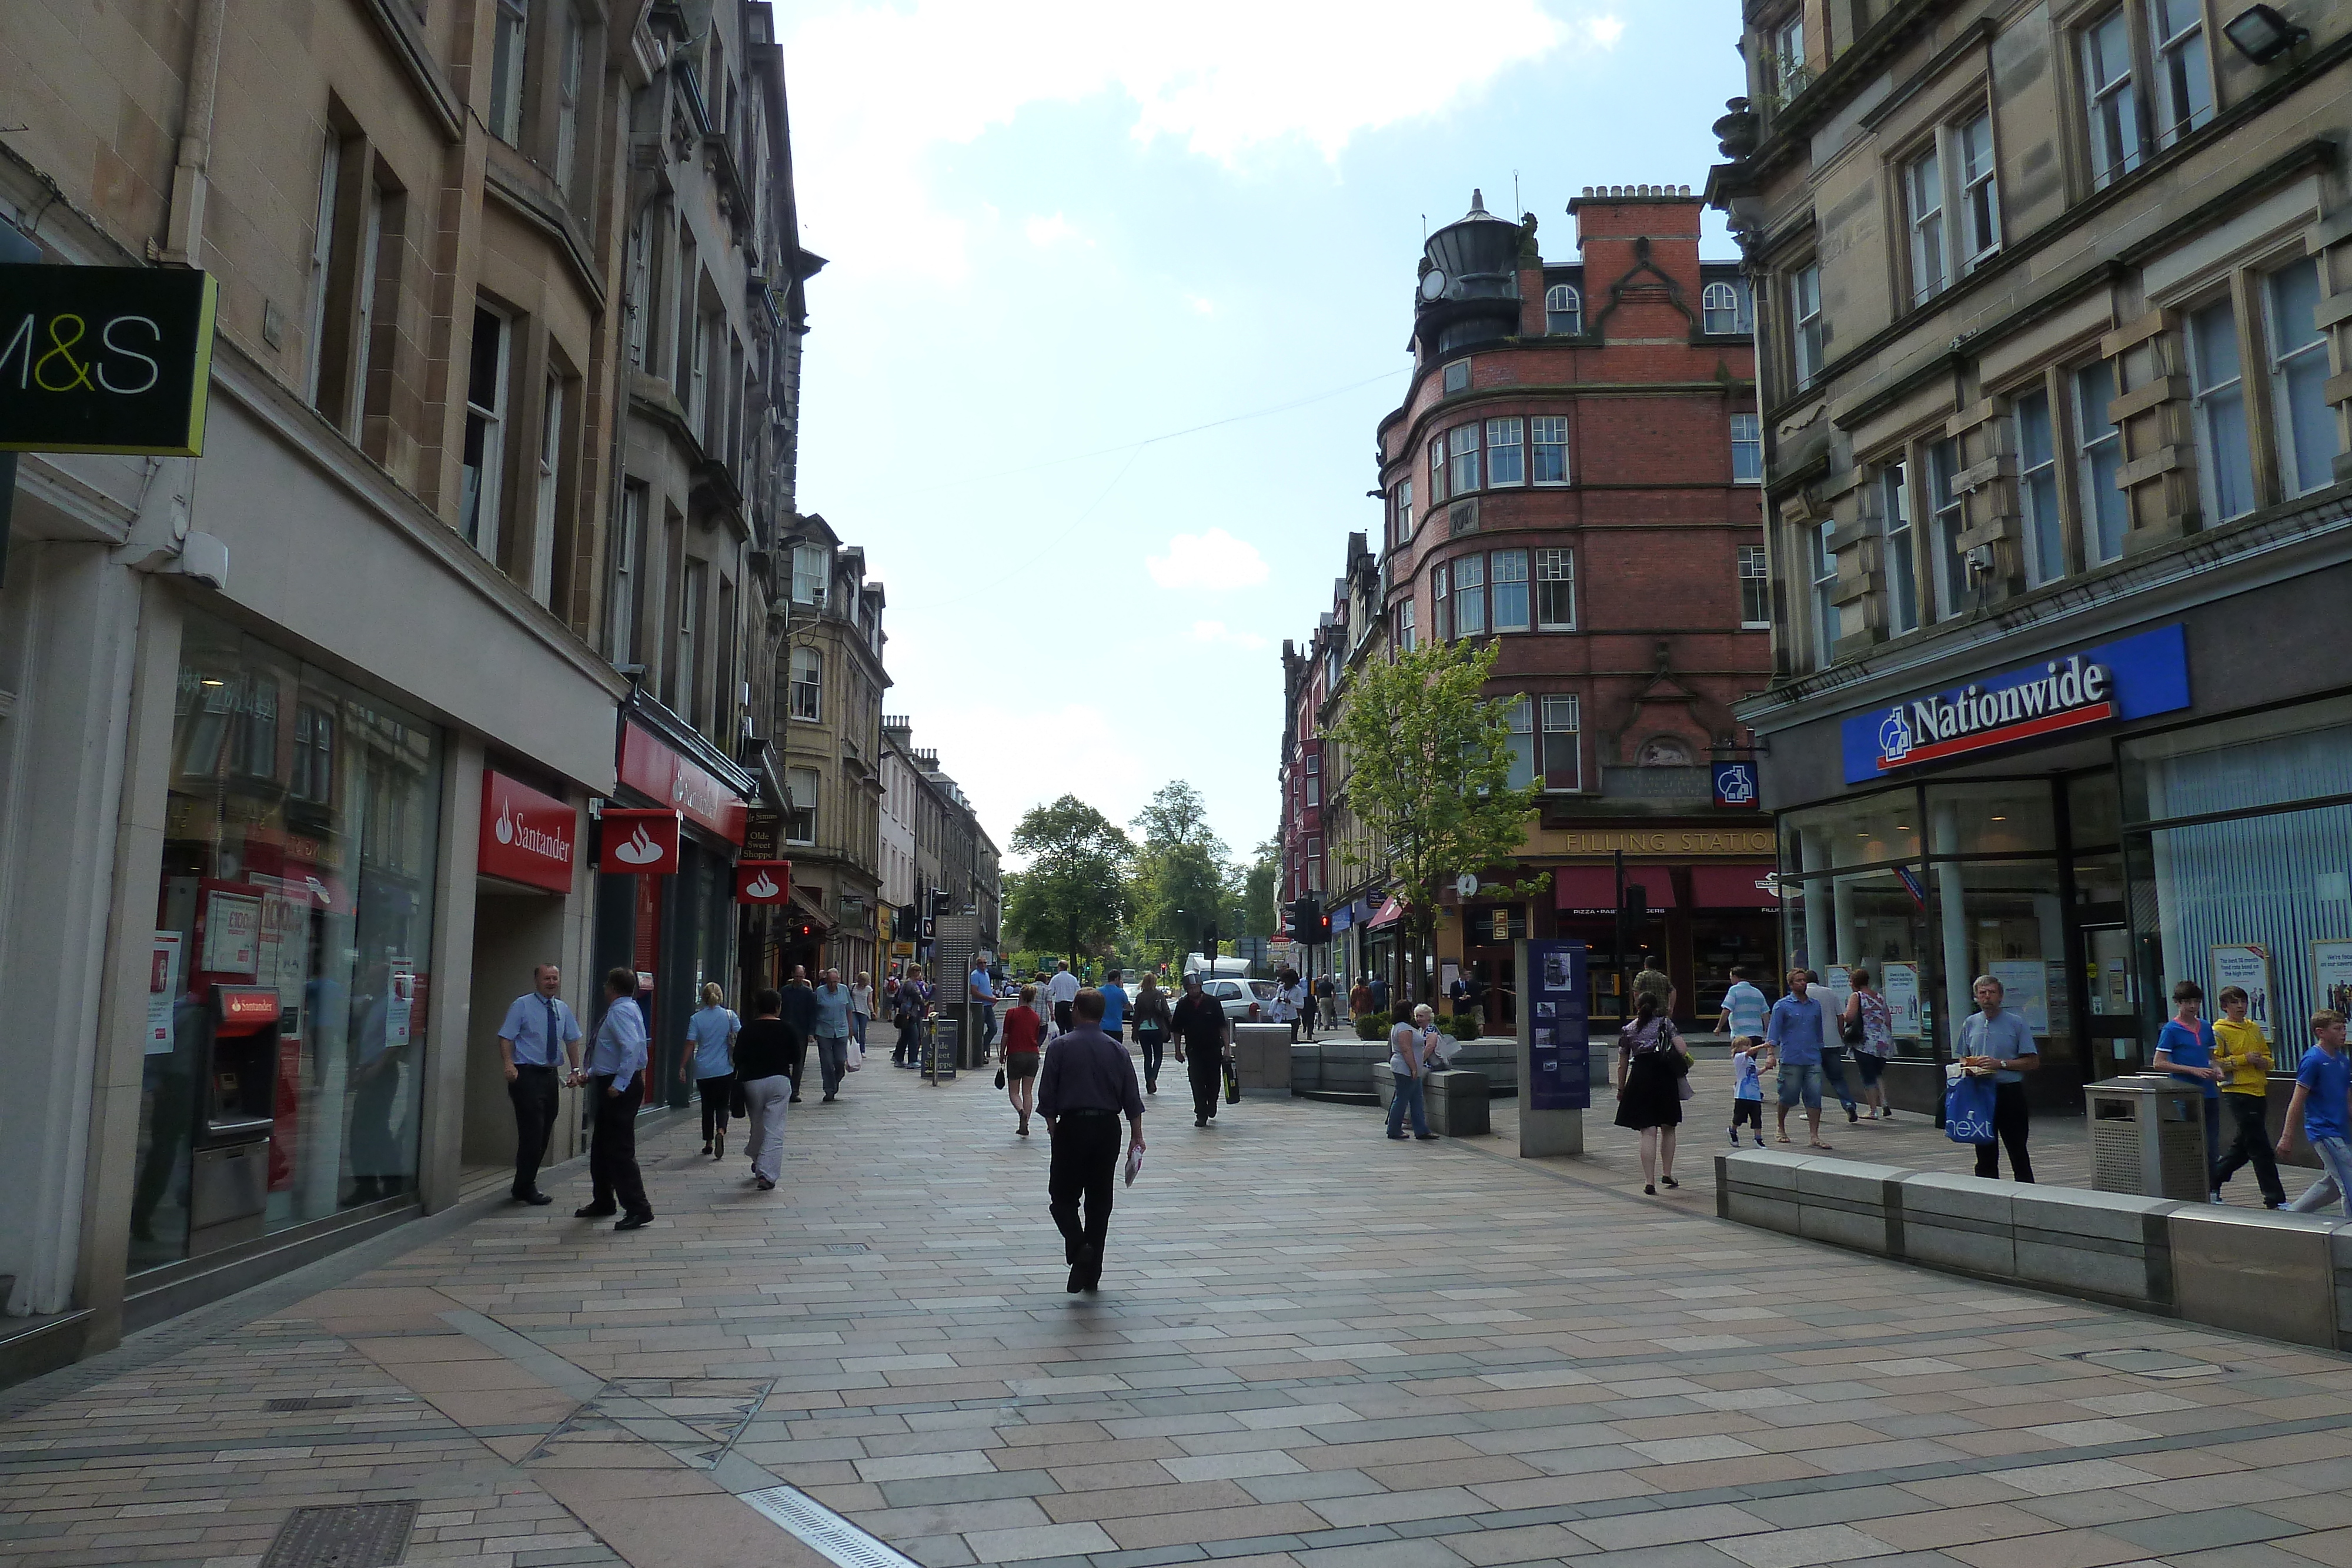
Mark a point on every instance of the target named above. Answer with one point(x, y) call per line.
point(1735, 786)
point(2129, 679)
point(638, 843)
point(526, 837)
point(763, 881)
point(105, 358)
point(660, 773)
point(763, 834)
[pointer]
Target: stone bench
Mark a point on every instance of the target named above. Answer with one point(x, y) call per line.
point(2284, 1276)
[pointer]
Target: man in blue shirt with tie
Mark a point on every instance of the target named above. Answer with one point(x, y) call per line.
point(539, 1034)
point(616, 1081)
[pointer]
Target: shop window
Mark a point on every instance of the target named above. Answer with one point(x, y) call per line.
point(1506, 452)
point(2099, 456)
point(1469, 595)
point(1995, 819)
point(480, 508)
point(2109, 102)
point(1510, 590)
point(1863, 920)
point(1548, 437)
point(1519, 714)
point(1556, 590)
point(310, 876)
point(1861, 831)
point(1462, 459)
point(1755, 588)
point(2094, 810)
point(2259, 761)
point(2002, 918)
point(1944, 528)
point(2301, 416)
point(2037, 488)
point(2184, 76)
point(1746, 449)
point(1563, 311)
point(799, 822)
point(1896, 554)
point(510, 41)
point(1563, 762)
point(2217, 402)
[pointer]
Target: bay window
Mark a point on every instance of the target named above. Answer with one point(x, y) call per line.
point(1506, 452)
point(1462, 456)
point(1469, 595)
point(1548, 435)
point(1510, 590)
point(1519, 712)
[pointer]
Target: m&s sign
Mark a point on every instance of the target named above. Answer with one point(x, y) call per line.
point(104, 359)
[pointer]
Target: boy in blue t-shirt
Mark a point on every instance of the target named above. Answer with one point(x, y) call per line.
point(2323, 1087)
point(1748, 1087)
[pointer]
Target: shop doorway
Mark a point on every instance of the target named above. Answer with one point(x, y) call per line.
point(514, 932)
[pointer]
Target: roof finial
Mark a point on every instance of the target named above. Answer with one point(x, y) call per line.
point(1477, 200)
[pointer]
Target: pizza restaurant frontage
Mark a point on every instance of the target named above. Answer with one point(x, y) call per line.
point(2090, 823)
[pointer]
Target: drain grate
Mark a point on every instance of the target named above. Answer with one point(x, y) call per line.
point(824, 1531)
point(315, 1401)
point(362, 1535)
point(845, 1247)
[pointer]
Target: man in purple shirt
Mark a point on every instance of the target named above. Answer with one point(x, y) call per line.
point(1086, 1085)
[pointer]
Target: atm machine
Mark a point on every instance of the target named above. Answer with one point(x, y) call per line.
point(229, 1187)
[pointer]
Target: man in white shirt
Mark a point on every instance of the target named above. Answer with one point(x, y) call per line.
point(539, 1035)
point(983, 997)
point(615, 1079)
point(1063, 990)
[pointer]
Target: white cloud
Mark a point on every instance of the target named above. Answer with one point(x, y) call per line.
point(1199, 306)
point(1218, 632)
point(1215, 560)
point(1052, 231)
point(877, 88)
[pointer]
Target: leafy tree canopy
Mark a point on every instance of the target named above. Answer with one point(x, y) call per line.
point(1074, 894)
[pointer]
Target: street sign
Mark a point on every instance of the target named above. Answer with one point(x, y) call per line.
point(1466, 884)
point(939, 1051)
point(1735, 785)
point(1559, 1057)
point(105, 358)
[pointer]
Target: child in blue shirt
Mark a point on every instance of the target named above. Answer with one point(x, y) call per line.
point(2323, 1086)
point(1747, 1052)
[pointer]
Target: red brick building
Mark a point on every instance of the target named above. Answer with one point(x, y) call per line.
point(1573, 474)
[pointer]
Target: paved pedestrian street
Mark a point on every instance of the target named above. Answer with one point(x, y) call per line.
point(1313, 1347)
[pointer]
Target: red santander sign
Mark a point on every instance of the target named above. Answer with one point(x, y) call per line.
point(639, 843)
point(526, 837)
point(763, 881)
point(657, 772)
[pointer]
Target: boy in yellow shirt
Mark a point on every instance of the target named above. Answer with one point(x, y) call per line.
point(2244, 1059)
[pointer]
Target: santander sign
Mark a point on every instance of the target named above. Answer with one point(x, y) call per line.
point(763, 881)
point(527, 836)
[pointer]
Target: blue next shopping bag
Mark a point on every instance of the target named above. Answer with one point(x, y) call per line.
point(1968, 1109)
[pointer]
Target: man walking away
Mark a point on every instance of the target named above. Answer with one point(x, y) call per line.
point(983, 994)
point(911, 1004)
point(616, 1081)
point(1063, 992)
point(832, 1032)
point(2245, 1056)
point(1201, 1030)
point(1085, 1086)
point(1993, 1038)
point(765, 1053)
point(1328, 995)
point(800, 1011)
point(1115, 1005)
point(1794, 1033)
point(539, 1033)
point(2322, 1108)
point(2184, 1048)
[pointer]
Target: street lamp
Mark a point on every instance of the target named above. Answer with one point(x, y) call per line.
point(2261, 35)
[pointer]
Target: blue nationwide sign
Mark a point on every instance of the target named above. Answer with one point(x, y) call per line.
point(105, 358)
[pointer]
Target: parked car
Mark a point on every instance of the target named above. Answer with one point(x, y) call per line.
point(1241, 998)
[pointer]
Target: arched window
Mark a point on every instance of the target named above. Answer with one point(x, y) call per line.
point(1563, 311)
point(1724, 307)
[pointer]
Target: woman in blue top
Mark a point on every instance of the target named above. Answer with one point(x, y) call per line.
point(710, 1063)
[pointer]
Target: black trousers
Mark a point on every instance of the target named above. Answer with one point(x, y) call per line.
point(2009, 1124)
point(717, 1093)
point(1086, 1164)
point(1064, 1018)
point(1207, 1066)
point(1155, 1051)
point(2251, 1115)
point(533, 1093)
point(800, 1062)
point(613, 1148)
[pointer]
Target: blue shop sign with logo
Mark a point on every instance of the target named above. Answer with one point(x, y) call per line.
point(2132, 678)
point(1735, 785)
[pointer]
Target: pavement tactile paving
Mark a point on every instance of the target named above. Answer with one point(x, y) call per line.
point(1315, 1347)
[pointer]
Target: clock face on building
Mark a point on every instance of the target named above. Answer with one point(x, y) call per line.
point(1432, 284)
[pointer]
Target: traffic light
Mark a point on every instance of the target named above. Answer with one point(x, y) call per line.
point(941, 901)
point(1310, 924)
point(1208, 943)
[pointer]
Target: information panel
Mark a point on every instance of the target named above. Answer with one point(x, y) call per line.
point(1560, 1059)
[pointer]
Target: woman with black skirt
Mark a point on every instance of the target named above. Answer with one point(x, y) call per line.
point(710, 1061)
point(1651, 1068)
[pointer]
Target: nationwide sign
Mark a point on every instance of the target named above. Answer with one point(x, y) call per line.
point(2132, 678)
point(105, 358)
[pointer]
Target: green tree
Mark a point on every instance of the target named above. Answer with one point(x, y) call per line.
point(1183, 872)
point(1260, 881)
point(1074, 894)
point(1428, 768)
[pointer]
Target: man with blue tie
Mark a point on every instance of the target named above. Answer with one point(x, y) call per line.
point(539, 1035)
point(616, 1081)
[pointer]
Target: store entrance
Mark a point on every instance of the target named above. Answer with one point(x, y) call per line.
point(2111, 1001)
point(514, 932)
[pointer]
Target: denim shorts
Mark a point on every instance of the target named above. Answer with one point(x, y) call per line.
point(1801, 1080)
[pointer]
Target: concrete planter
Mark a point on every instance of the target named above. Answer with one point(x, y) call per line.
point(1262, 1055)
point(1458, 1104)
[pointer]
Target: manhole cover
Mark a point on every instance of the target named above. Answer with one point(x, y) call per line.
point(2158, 1364)
point(362, 1535)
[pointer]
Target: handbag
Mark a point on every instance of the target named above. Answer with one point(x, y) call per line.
point(1967, 1108)
point(1851, 1030)
point(1232, 1084)
point(999, 1078)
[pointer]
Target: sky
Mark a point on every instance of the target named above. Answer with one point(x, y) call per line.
point(1116, 296)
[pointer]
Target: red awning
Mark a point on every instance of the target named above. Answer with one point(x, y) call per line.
point(1733, 886)
point(1594, 887)
point(1388, 915)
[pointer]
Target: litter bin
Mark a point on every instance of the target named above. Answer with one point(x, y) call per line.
point(2147, 1136)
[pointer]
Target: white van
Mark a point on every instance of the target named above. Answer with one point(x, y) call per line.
point(1197, 963)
